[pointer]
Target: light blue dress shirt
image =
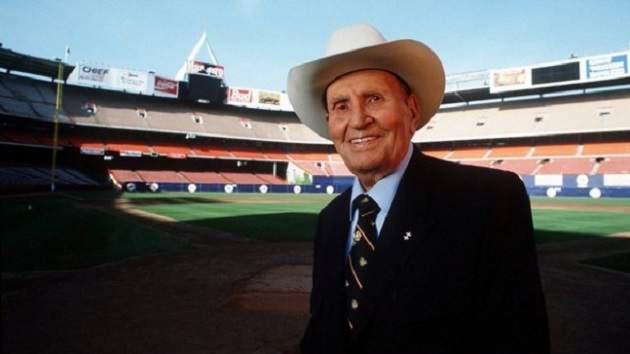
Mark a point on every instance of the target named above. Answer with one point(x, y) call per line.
point(383, 194)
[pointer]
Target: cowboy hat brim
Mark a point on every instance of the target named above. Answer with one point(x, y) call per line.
point(411, 60)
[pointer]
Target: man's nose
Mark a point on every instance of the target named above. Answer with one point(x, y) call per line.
point(360, 117)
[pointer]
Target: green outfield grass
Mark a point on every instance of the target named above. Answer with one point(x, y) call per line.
point(271, 217)
point(292, 217)
point(76, 230)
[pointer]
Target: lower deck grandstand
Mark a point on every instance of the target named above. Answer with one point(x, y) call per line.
point(566, 142)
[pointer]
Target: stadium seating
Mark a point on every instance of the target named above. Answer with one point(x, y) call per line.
point(270, 179)
point(308, 156)
point(16, 107)
point(41, 176)
point(518, 166)
point(276, 155)
point(615, 165)
point(172, 150)
point(161, 176)
point(479, 163)
point(242, 178)
point(567, 166)
point(136, 125)
point(247, 154)
point(605, 149)
point(440, 154)
point(559, 115)
point(128, 147)
point(556, 150)
point(473, 153)
point(509, 151)
point(205, 177)
point(124, 176)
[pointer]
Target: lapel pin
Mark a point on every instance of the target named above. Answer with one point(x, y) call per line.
point(407, 236)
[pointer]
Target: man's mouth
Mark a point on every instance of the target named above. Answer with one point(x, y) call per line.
point(362, 140)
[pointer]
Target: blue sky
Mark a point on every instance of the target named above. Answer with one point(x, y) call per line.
point(259, 40)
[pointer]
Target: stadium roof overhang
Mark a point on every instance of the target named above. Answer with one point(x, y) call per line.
point(482, 94)
point(13, 61)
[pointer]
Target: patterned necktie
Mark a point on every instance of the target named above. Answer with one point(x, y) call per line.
point(363, 245)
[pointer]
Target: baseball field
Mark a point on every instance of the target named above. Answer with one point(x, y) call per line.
point(102, 272)
point(75, 230)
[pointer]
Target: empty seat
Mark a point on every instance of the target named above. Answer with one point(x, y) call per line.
point(242, 178)
point(568, 166)
point(615, 165)
point(556, 150)
point(604, 149)
point(509, 151)
point(124, 176)
point(204, 177)
point(518, 166)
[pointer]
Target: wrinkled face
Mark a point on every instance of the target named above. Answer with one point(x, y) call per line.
point(371, 120)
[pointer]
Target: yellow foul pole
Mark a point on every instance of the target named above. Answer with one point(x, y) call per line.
point(56, 125)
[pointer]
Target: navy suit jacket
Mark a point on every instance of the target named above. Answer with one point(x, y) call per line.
point(466, 281)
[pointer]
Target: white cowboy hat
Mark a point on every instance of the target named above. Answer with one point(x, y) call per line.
point(360, 47)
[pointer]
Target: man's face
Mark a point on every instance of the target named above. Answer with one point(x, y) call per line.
point(371, 120)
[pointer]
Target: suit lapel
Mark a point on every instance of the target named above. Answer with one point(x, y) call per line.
point(338, 240)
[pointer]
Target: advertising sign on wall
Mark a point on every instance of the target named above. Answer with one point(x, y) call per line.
point(93, 75)
point(165, 87)
point(129, 80)
point(238, 95)
point(509, 79)
point(607, 66)
point(268, 97)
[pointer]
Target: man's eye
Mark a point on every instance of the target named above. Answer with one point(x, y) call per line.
point(340, 107)
point(374, 98)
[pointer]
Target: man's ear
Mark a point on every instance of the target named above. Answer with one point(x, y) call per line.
point(414, 110)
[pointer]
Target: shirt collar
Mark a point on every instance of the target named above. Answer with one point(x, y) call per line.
point(384, 190)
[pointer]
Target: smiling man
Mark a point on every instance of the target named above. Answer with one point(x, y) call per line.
point(420, 255)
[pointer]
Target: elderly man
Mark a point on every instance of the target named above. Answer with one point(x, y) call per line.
point(421, 255)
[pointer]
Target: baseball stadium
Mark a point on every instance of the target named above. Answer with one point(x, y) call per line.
point(147, 214)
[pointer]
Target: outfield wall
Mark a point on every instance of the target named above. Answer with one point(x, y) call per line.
point(595, 186)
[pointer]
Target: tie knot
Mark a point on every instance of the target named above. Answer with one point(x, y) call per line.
point(366, 205)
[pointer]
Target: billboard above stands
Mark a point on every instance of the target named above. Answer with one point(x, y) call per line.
point(557, 74)
point(240, 96)
point(258, 99)
point(89, 75)
point(566, 72)
point(129, 80)
point(606, 67)
point(467, 81)
point(112, 79)
point(268, 98)
point(510, 79)
point(165, 87)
